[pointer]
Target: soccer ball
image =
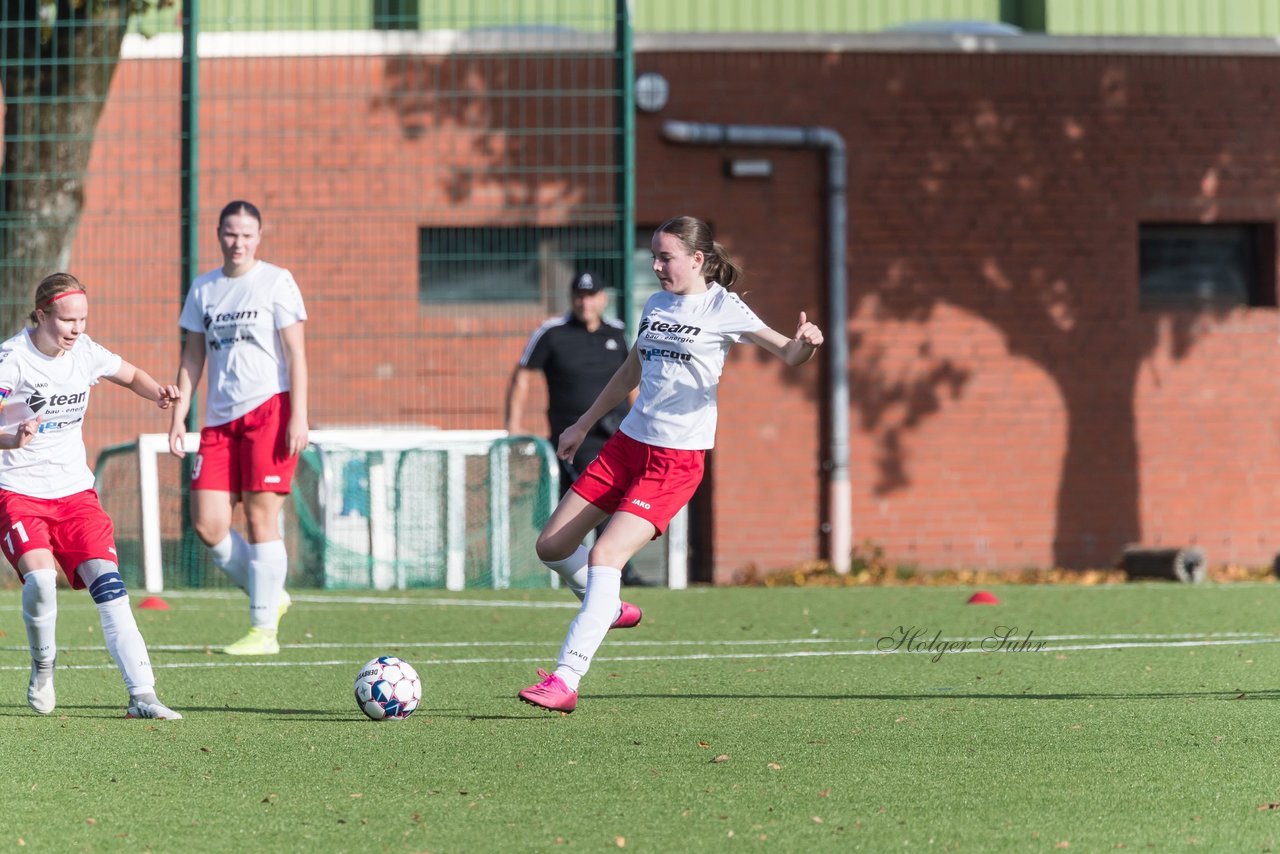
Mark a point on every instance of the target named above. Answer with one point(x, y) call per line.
point(388, 689)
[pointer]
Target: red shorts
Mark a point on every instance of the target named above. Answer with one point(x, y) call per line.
point(74, 528)
point(249, 453)
point(643, 480)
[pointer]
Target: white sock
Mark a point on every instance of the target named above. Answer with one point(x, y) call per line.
point(268, 566)
point(40, 613)
point(586, 632)
point(231, 555)
point(573, 570)
point(125, 643)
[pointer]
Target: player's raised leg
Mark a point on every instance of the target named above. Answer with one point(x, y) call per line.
point(560, 549)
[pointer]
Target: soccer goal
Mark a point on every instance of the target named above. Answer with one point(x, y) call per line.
point(371, 508)
point(379, 509)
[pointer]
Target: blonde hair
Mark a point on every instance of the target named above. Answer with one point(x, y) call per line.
point(696, 236)
point(51, 287)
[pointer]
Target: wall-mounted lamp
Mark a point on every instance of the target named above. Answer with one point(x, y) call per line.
point(652, 91)
point(753, 168)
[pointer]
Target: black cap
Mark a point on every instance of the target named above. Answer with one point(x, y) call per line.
point(586, 283)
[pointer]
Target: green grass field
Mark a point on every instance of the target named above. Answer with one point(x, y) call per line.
point(730, 718)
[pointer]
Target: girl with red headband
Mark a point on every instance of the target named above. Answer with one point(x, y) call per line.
point(49, 509)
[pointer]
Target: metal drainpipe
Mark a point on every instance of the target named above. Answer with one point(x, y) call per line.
point(782, 136)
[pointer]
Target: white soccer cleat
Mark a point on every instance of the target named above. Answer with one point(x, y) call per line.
point(156, 711)
point(40, 694)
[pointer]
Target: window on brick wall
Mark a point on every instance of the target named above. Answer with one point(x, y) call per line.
point(508, 264)
point(1193, 266)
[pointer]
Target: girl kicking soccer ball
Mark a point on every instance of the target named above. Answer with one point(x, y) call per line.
point(651, 467)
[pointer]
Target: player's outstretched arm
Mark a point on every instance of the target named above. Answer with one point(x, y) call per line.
point(794, 351)
point(144, 385)
point(618, 389)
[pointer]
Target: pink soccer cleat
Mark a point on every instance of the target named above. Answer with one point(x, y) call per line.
point(550, 694)
point(630, 616)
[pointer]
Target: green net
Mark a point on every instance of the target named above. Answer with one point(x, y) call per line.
point(369, 509)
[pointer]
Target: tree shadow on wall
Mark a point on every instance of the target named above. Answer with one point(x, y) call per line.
point(529, 138)
point(1026, 269)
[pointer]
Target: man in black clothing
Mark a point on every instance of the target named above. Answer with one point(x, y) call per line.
point(577, 353)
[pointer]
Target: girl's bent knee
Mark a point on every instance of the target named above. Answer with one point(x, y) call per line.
point(549, 548)
point(210, 533)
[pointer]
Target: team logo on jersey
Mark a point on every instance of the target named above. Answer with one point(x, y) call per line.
point(38, 401)
point(659, 330)
point(51, 426)
point(668, 355)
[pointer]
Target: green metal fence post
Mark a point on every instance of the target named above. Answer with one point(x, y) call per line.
point(626, 160)
point(189, 238)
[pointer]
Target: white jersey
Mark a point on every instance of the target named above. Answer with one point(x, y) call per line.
point(240, 318)
point(681, 345)
point(55, 388)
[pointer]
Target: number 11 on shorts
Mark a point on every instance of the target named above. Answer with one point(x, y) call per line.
point(8, 536)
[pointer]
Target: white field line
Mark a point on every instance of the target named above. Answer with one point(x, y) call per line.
point(1193, 639)
point(373, 600)
point(708, 656)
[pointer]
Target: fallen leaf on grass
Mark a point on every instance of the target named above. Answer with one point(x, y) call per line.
point(774, 766)
point(703, 744)
point(1263, 807)
point(824, 793)
point(1063, 844)
point(620, 841)
point(723, 757)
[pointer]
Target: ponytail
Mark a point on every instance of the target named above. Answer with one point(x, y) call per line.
point(719, 267)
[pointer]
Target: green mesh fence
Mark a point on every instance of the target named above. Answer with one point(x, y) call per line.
point(369, 509)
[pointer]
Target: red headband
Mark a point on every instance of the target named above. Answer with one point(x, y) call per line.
point(60, 296)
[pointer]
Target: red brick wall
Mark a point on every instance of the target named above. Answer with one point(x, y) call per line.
point(1011, 406)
